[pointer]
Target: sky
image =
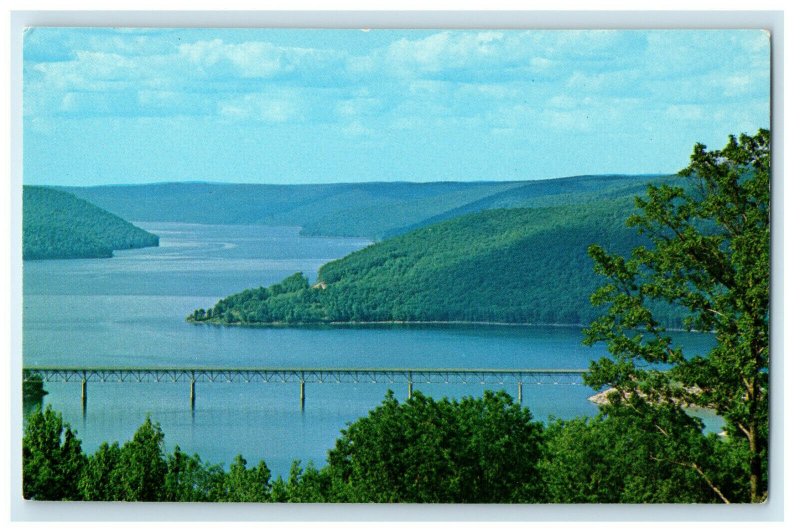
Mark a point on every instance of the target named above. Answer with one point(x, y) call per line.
point(126, 106)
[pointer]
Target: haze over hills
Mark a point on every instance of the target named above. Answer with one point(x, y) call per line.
point(374, 210)
point(58, 225)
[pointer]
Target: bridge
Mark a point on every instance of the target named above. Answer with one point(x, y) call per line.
point(407, 376)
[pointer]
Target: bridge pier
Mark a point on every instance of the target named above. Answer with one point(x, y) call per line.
point(302, 395)
point(410, 389)
point(191, 393)
point(83, 396)
point(519, 392)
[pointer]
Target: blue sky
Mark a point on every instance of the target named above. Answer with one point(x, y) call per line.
point(105, 106)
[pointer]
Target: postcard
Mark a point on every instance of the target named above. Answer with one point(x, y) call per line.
point(470, 266)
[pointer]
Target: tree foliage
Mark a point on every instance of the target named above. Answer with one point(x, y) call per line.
point(52, 459)
point(142, 466)
point(622, 457)
point(188, 479)
point(100, 479)
point(476, 450)
point(473, 450)
point(707, 253)
point(504, 265)
point(58, 225)
point(246, 485)
point(33, 391)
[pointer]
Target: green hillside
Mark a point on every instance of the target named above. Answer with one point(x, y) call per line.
point(502, 265)
point(57, 225)
point(549, 193)
point(373, 210)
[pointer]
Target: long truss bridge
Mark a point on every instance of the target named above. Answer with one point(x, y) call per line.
point(301, 376)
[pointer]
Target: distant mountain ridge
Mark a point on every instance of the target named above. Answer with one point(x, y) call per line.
point(58, 225)
point(374, 210)
point(549, 192)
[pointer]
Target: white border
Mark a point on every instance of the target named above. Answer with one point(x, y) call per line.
point(23, 510)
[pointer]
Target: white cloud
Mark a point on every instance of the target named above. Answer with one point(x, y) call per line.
point(540, 64)
point(610, 83)
point(450, 51)
point(248, 59)
point(507, 80)
point(357, 129)
point(495, 91)
point(359, 106)
point(686, 112)
point(261, 107)
point(574, 120)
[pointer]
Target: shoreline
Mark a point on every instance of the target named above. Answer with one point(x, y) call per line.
point(399, 322)
point(383, 322)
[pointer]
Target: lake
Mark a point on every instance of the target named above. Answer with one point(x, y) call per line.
point(129, 311)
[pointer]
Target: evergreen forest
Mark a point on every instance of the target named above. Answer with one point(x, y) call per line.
point(58, 225)
point(520, 265)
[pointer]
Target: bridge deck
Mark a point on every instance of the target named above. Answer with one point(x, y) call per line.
point(407, 376)
point(309, 375)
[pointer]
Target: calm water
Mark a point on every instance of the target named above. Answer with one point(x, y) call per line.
point(129, 311)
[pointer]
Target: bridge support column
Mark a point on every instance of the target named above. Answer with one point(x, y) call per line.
point(191, 393)
point(83, 395)
point(410, 389)
point(302, 395)
point(519, 392)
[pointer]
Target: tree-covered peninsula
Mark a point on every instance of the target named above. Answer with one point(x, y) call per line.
point(58, 225)
point(501, 265)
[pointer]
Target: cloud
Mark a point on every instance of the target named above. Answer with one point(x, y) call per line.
point(439, 51)
point(216, 59)
point(261, 107)
point(357, 129)
point(687, 112)
point(457, 53)
point(506, 80)
point(608, 83)
point(359, 106)
point(249, 59)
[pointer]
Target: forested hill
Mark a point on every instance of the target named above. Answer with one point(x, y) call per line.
point(57, 225)
point(502, 265)
point(374, 210)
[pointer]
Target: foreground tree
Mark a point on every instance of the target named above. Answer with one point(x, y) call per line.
point(246, 485)
point(709, 257)
point(188, 479)
point(52, 460)
point(141, 469)
point(475, 450)
point(100, 479)
point(621, 457)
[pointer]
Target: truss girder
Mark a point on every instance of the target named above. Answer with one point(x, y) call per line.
point(484, 377)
